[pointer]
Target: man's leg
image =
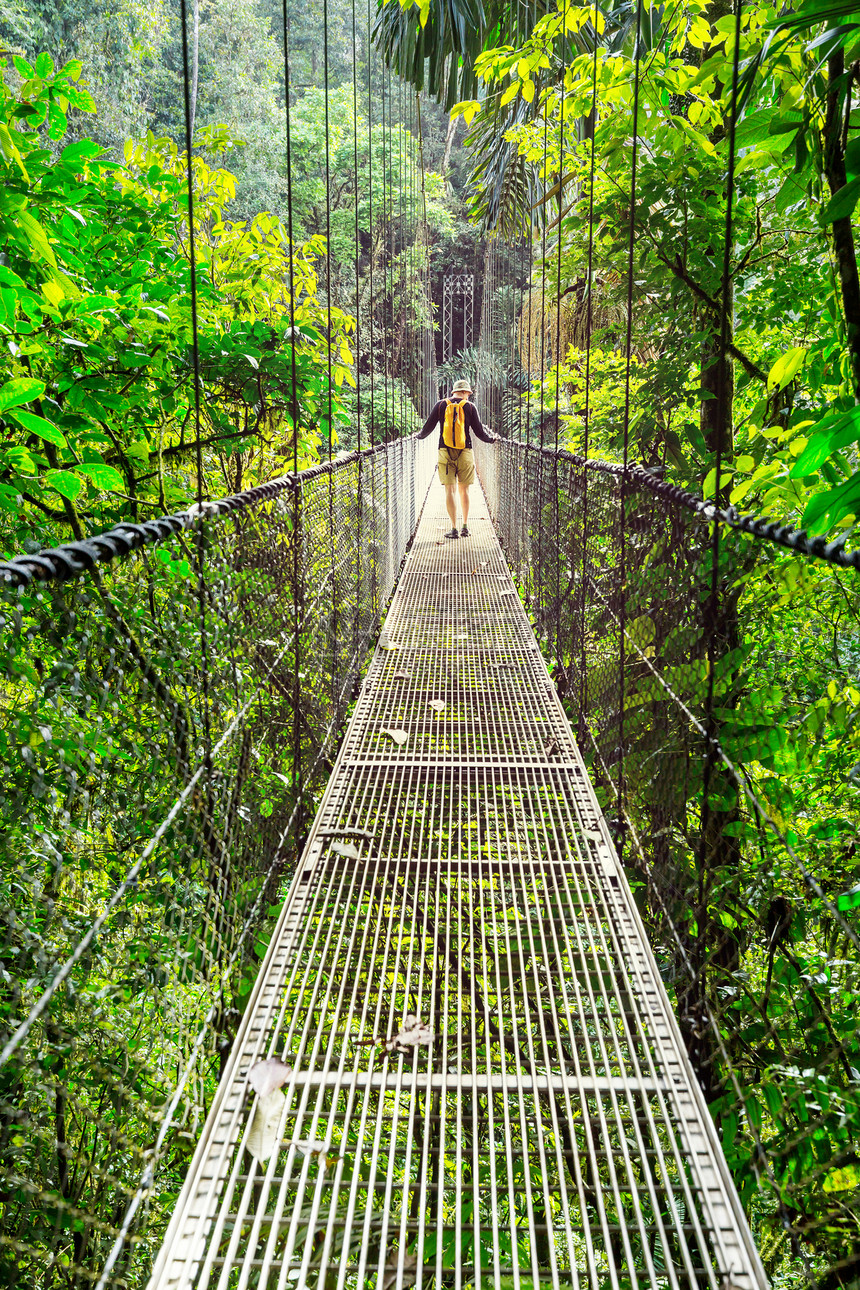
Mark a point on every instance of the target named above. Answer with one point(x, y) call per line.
point(464, 503)
point(451, 503)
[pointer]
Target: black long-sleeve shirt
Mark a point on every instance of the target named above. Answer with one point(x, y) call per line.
point(471, 421)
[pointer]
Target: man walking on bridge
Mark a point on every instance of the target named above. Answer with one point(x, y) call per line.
point(457, 418)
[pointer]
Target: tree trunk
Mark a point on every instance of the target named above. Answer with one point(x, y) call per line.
point(449, 142)
point(844, 251)
point(713, 952)
point(715, 415)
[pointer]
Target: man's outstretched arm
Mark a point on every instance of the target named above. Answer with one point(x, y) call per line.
point(432, 420)
point(478, 429)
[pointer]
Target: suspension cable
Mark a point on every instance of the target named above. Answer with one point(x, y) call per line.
point(558, 329)
point(589, 290)
point(622, 562)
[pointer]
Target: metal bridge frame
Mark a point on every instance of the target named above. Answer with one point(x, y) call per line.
point(464, 873)
point(457, 286)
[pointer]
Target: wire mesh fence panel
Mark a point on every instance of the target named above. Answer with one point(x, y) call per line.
point(725, 770)
point(170, 715)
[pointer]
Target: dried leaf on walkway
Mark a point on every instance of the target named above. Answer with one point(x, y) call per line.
point(438, 705)
point(507, 593)
point(268, 1075)
point(317, 1149)
point(400, 676)
point(399, 736)
point(309, 1147)
point(412, 1032)
point(264, 1133)
point(266, 1079)
point(347, 849)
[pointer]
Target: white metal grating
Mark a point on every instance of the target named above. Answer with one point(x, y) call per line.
point(553, 1133)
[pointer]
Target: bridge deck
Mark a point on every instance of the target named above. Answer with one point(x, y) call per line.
point(552, 1133)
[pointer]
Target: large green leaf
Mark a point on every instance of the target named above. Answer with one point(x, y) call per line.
point(39, 426)
point(842, 203)
point(80, 151)
point(825, 510)
point(37, 237)
point(64, 482)
point(23, 389)
point(833, 432)
point(102, 476)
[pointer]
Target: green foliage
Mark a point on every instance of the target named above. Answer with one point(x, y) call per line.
point(384, 403)
point(98, 407)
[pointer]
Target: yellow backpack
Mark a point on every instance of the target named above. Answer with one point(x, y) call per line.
point(454, 429)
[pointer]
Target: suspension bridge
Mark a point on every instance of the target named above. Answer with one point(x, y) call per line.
point(381, 910)
point(549, 1128)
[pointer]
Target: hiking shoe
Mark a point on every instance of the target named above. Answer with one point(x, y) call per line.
point(464, 532)
point(453, 534)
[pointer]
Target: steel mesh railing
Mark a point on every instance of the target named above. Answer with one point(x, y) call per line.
point(170, 714)
point(725, 770)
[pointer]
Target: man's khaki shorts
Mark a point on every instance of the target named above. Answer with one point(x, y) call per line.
point(456, 466)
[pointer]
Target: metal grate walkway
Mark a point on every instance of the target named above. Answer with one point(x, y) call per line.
point(552, 1133)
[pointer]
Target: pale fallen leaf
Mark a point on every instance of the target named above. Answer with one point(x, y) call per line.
point(400, 676)
point(347, 849)
point(438, 705)
point(399, 736)
point(264, 1132)
point(412, 1032)
point(317, 1149)
point(507, 593)
point(311, 1147)
point(268, 1075)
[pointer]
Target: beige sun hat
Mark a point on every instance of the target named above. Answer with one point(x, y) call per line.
point(462, 387)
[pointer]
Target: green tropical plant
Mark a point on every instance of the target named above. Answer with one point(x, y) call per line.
point(99, 416)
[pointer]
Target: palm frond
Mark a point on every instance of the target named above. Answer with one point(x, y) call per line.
point(438, 58)
point(506, 188)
